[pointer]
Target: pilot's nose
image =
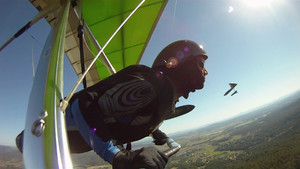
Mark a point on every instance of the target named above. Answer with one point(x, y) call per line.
point(204, 71)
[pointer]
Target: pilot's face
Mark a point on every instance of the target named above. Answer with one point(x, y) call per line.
point(201, 72)
point(196, 73)
point(201, 67)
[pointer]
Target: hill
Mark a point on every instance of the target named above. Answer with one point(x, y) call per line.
point(10, 158)
point(268, 137)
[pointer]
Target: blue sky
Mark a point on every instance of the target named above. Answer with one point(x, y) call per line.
point(255, 45)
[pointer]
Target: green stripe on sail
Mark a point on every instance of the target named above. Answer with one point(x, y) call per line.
point(104, 16)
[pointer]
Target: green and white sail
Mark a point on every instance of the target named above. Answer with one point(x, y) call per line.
point(45, 139)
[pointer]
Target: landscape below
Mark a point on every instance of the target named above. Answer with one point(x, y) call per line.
point(268, 137)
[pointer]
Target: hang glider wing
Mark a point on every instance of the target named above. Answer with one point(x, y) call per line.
point(232, 85)
point(101, 18)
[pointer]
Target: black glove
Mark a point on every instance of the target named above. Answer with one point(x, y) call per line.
point(160, 138)
point(147, 157)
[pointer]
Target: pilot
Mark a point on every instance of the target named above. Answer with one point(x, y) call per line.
point(132, 104)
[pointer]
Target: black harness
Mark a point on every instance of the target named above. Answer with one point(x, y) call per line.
point(109, 126)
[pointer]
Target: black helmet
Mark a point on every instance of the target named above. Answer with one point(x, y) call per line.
point(183, 61)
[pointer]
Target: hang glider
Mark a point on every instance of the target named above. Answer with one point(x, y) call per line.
point(79, 28)
point(232, 86)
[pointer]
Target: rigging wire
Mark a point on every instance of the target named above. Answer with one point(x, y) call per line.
point(80, 36)
point(104, 60)
point(34, 38)
point(89, 49)
point(65, 102)
point(82, 64)
point(173, 18)
point(39, 16)
point(32, 61)
point(32, 50)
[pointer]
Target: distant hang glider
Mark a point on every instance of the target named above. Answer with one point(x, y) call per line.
point(232, 86)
